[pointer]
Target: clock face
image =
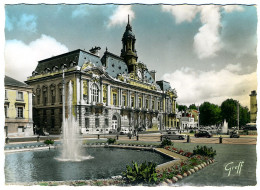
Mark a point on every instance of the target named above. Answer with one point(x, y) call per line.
point(139, 74)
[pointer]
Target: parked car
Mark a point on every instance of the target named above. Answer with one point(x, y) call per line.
point(203, 134)
point(173, 135)
point(234, 134)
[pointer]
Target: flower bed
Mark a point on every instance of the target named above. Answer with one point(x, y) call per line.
point(185, 168)
point(179, 151)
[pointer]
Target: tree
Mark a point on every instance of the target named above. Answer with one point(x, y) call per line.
point(182, 107)
point(244, 116)
point(229, 112)
point(210, 114)
point(193, 107)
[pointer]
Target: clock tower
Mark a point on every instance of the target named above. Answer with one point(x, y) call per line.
point(128, 52)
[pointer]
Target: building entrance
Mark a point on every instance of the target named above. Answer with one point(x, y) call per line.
point(114, 122)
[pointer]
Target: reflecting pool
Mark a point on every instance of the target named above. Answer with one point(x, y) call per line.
point(41, 165)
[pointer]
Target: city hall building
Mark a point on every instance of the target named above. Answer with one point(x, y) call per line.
point(110, 93)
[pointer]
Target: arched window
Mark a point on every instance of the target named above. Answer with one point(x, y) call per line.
point(94, 93)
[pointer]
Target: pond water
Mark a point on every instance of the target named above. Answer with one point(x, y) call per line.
point(41, 165)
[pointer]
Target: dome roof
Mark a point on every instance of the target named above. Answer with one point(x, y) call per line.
point(129, 33)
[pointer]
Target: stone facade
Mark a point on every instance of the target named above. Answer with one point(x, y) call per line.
point(110, 94)
point(18, 109)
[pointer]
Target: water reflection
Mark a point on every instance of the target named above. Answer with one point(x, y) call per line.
point(41, 165)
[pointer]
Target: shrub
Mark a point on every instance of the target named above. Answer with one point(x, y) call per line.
point(49, 141)
point(166, 142)
point(143, 173)
point(205, 151)
point(111, 141)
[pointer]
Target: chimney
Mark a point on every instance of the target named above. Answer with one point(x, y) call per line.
point(152, 72)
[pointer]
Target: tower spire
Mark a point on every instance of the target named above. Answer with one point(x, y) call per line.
point(128, 52)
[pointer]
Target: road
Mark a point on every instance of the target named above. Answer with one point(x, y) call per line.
point(152, 137)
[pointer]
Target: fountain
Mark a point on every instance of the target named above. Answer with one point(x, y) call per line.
point(71, 142)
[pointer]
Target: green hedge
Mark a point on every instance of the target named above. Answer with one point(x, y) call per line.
point(143, 173)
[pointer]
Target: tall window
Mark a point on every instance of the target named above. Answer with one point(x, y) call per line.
point(132, 101)
point(153, 104)
point(106, 122)
point(94, 93)
point(44, 98)
point(6, 111)
point(52, 122)
point(53, 96)
point(38, 95)
point(114, 99)
point(87, 122)
point(20, 112)
point(60, 95)
point(159, 105)
point(38, 99)
point(124, 100)
point(6, 94)
point(146, 104)
point(20, 96)
point(140, 102)
point(97, 122)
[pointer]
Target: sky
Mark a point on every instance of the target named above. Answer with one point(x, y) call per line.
point(206, 52)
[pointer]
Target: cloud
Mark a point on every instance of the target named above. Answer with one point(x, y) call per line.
point(80, 11)
point(8, 23)
point(207, 41)
point(26, 22)
point(231, 8)
point(120, 15)
point(21, 59)
point(182, 13)
point(234, 68)
point(214, 86)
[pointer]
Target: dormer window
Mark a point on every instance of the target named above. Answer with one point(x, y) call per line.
point(47, 70)
point(72, 64)
point(55, 68)
point(34, 73)
point(64, 66)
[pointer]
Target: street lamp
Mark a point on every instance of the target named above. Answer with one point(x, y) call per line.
point(198, 116)
point(238, 115)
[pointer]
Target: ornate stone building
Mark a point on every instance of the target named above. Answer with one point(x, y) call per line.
point(112, 93)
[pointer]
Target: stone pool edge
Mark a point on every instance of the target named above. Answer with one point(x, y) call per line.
point(116, 180)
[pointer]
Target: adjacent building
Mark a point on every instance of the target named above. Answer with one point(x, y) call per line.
point(18, 108)
point(253, 106)
point(189, 119)
point(110, 93)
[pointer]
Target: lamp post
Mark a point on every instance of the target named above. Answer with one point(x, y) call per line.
point(237, 115)
point(63, 96)
point(198, 116)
